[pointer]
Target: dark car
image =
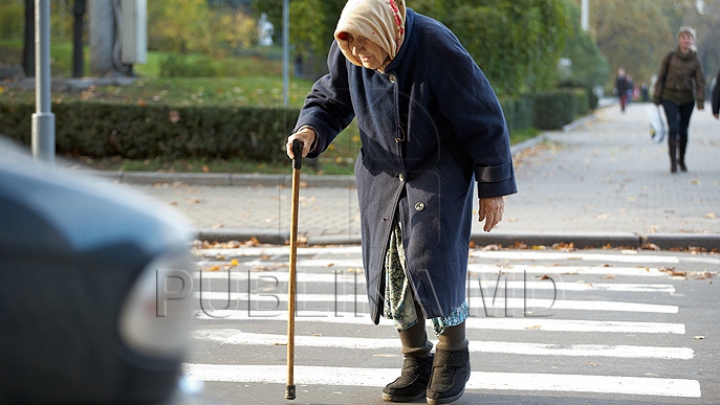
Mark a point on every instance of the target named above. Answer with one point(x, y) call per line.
point(95, 289)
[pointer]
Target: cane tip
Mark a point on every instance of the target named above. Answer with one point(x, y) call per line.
point(290, 392)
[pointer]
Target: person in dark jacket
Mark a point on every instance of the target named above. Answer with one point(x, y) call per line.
point(431, 127)
point(680, 83)
point(716, 97)
point(622, 87)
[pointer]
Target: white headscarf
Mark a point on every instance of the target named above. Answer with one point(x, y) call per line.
point(380, 21)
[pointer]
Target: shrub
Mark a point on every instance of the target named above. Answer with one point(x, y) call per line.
point(146, 132)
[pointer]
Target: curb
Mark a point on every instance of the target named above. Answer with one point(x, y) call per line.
point(226, 179)
point(580, 240)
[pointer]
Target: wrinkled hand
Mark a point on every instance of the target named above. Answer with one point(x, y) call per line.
point(306, 135)
point(491, 210)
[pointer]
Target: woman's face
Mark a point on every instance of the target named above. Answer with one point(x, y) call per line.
point(371, 55)
point(686, 41)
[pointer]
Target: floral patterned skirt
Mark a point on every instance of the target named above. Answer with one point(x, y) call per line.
point(399, 304)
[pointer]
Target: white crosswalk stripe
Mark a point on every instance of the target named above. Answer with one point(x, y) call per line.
point(254, 294)
point(369, 377)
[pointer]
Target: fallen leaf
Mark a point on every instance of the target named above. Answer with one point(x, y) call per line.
point(590, 363)
point(234, 262)
point(534, 327)
point(695, 182)
point(609, 277)
point(218, 226)
point(673, 272)
point(710, 215)
point(205, 169)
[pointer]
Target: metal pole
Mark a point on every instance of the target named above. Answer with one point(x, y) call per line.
point(286, 51)
point(43, 121)
point(584, 16)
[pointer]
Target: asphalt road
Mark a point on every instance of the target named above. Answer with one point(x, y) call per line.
point(554, 327)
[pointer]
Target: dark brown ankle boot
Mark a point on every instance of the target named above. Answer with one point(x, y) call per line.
point(413, 381)
point(451, 367)
point(417, 366)
point(450, 372)
point(682, 145)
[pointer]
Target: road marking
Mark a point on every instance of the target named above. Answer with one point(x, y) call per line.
point(379, 377)
point(528, 323)
point(345, 278)
point(238, 337)
point(599, 257)
point(488, 268)
point(280, 297)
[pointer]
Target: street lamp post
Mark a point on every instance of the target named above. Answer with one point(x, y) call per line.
point(286, 51)
point(584, 16)
point(43, 121)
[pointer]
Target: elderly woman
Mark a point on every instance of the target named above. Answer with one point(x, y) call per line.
point(680, 82)
point(431, 126)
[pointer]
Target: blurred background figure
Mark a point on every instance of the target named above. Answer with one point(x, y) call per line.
point(622, 87)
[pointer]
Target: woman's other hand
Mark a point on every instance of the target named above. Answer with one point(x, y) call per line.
point(491, 210)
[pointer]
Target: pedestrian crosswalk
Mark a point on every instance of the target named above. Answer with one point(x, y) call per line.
point(541, 322)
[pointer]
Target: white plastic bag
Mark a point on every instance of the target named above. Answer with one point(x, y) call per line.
point(657, 124)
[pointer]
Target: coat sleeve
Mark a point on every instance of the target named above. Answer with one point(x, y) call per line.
point(465, 97)
point(328, 107)
point(700, 85)
point(660, 82)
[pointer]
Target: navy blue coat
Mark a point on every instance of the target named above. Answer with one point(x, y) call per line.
point(429, 125)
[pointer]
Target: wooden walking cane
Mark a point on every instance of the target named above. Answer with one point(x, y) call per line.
point(297, 147)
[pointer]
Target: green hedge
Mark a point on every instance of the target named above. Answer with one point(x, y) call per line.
point(555, 109)
point(145, 132)
point(519, 112)
point(252, 133)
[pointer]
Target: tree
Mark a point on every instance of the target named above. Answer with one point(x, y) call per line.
point(185, 26)
point(516, 43)
point(632, 34)
point(704, 16)
point(588, 68)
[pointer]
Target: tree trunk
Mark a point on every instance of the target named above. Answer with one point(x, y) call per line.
point(29, 45)
point(78, 25)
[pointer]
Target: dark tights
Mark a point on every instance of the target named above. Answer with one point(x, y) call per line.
point(678, 118)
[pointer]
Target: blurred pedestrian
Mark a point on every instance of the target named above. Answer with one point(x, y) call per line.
point(429, 123)
point(622, 86)
point(716, 96)
point(680, 84)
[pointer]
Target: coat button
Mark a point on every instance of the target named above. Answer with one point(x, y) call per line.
point(401, 177)
point(392, 78)
point(419, 206)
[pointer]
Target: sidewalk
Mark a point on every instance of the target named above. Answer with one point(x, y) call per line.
point(600, 182)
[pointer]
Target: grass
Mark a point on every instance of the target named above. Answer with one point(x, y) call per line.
point(255, 81)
